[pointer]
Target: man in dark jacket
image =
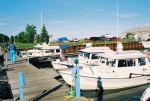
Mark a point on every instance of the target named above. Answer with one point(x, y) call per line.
point(12, 51)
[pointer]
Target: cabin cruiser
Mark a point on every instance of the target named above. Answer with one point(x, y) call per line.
point(47, 51)
point(87, 55)
point(42, 50)
point(115, 70)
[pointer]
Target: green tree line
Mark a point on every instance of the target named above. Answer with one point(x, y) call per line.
point(28, 36)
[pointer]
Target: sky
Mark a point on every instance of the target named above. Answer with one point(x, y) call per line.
point(73, 18)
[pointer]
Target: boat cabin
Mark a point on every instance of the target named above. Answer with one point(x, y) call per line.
point(90, 54)
point(48, 51)
point(125, 62)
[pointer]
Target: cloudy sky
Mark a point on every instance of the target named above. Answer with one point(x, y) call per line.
point(73, 18)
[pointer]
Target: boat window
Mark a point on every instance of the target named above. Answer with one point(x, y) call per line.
point(113, 62)
point(38, 49)
point(131, 62)
point(110, 62)
point(52, 51)
point(122, 63)
point(57, 50)
point(141, 61)
point(47, 51)
point(84, 54)
point(80, 54)
point(107, 62)
point(102, 60)
point(94, 56)
point(87, 55)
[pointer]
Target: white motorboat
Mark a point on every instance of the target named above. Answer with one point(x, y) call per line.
point(87, 55)
point(42, 50)
point(47, 51)
point(36, 48)
point(116, 70)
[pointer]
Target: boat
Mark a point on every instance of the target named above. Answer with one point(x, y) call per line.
point(42, 50)
point(36, 48)
point(47, 51)
point(86, 55)
point(116, 70)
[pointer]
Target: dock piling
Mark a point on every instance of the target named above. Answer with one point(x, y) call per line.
point(27, 54)
point(21, 83)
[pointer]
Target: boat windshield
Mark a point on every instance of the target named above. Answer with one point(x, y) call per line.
point(87, 55)
point(94, 56)
point(141, 61)
point(81, 54)
point(37, 48)
point(57, 50)
point(111, 62)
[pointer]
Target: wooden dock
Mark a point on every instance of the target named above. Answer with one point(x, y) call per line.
point(41, 84)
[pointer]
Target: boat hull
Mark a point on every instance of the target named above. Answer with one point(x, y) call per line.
point(93, 83)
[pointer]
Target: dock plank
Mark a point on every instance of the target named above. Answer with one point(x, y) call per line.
point(41, 84)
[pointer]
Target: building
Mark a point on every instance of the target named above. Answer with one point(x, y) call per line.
point(142, 32)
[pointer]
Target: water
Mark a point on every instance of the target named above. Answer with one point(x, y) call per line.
point(5, 92)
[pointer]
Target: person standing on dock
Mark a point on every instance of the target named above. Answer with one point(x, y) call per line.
point(12, 51)
point(119, 46)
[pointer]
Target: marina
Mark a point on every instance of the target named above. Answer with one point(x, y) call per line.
point(74, 50)
point(42, 83)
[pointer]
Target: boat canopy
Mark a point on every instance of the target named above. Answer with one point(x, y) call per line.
point(123, 55)
point(65, 46)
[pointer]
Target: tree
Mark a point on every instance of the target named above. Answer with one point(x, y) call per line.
point(127, 35)
point(12, 38)
point(21, 36)
point(6, 38)
point(3, 38)
point(29, 34)
point(44, 35)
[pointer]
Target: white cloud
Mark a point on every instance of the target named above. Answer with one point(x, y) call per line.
point(29, 21)
point(2, 24)
point(57, 22)
point(8, 18)
point(129, 15)
point(99, 9)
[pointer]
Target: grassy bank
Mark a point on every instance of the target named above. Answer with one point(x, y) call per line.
point(81, 42)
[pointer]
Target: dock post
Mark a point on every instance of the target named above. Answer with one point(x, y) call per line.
point(27, 54)
point(6, 59)
point(76, 75)
point(21, 83)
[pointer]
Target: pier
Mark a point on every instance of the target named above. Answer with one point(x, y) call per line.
point(41, 84)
